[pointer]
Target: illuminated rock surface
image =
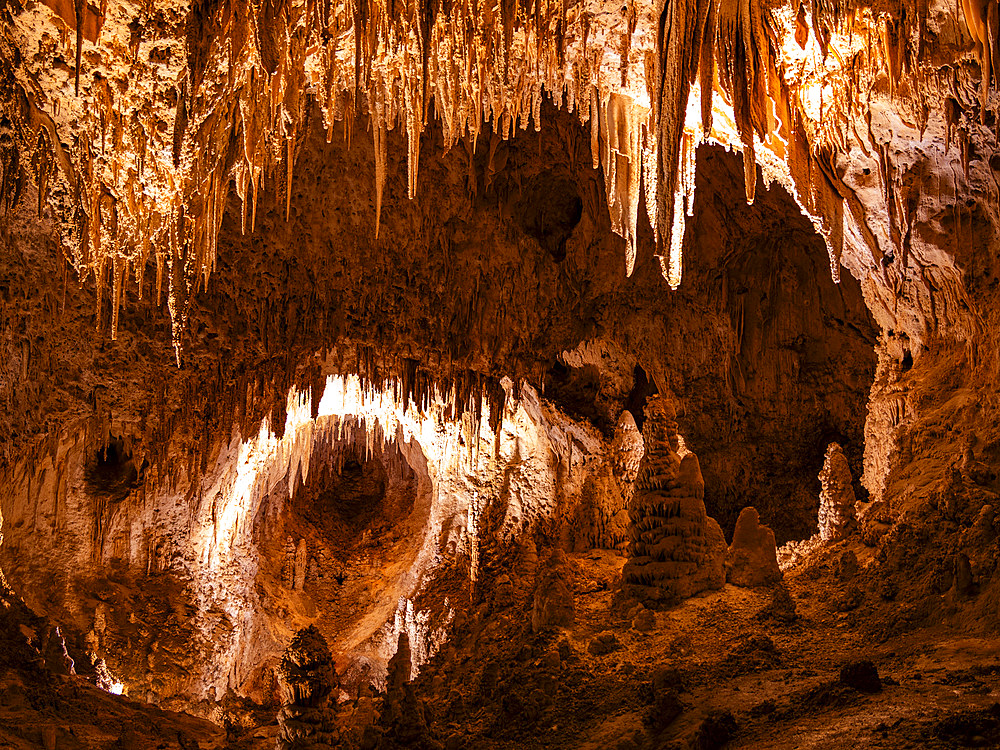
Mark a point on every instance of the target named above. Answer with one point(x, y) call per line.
point(307, 677)
point(836, 498)
point(752, 557)
point(676, 549)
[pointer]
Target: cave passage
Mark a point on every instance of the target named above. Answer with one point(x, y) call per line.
point(574, 375)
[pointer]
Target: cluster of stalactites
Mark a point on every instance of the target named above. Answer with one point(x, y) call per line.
point(412, 384)
point(135, 190)
point(671, 267)
point(150, 180)
point(983, 22)
point(721, 50)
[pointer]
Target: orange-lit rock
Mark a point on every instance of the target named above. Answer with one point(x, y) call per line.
point(752, 557)
point(676, 549)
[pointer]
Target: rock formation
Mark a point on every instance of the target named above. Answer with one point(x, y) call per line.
point(676, 549)
point(307, 678)
point(626, 449)
point(836, 498)
point(553, 604)
point(526, 562)
point(53, 650)
point(608, 495)
point(217, 249)
point(837, 511)
point(752, 557)
point(400, 665)
point(503, 592)
point(404, 715)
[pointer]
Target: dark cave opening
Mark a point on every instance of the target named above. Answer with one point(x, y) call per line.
point(549, 210)
point(111, 472)
point(642, 389)
point(353, 495)
point(576, 390)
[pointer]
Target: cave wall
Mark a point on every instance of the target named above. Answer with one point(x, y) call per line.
point(123, 509)
point(800, 363)
point(189, 592)
point(508, 266)
point(454, 281)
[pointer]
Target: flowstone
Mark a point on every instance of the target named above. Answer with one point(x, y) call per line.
point(676, 549)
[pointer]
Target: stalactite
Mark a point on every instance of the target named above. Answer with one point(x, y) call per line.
point(381, 166)
point(621, 130)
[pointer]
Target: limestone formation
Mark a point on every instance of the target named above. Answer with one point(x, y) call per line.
point(406, 719)
point(288, 563)
point(553, 603)
point(608, 493)
point(215, 253)
point(676, 549)
point(503, 592)
point(836, 499)
point(307, 677)
point(626, 449)
point(400, 665)
point(837, 512)
point(53, 650)
point(527, 566)
point(301, 557)
point(405, 716)
point(752, 558)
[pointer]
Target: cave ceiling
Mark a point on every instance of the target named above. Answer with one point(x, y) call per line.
point(135, 123)
point(444, 194)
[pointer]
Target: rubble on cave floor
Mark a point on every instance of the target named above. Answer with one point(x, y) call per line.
point(715, 670)
point(45, 704)
point(712, 656)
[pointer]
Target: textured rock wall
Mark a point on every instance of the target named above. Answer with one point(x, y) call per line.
point(454, 282)
point(459, 281)
point(189, 592)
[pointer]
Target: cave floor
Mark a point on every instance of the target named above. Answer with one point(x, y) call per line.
point(735, 650)
point(67, 713)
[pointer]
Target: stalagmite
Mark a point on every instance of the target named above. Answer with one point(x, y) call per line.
point(752, 557)
point(836, 499)
point(676, 550)
point(627, 449)
point(307, 678)
point(553, 604)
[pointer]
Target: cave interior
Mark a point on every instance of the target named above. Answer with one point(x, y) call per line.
point(499, 375)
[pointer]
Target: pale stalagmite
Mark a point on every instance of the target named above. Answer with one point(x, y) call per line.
point(752, 557)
